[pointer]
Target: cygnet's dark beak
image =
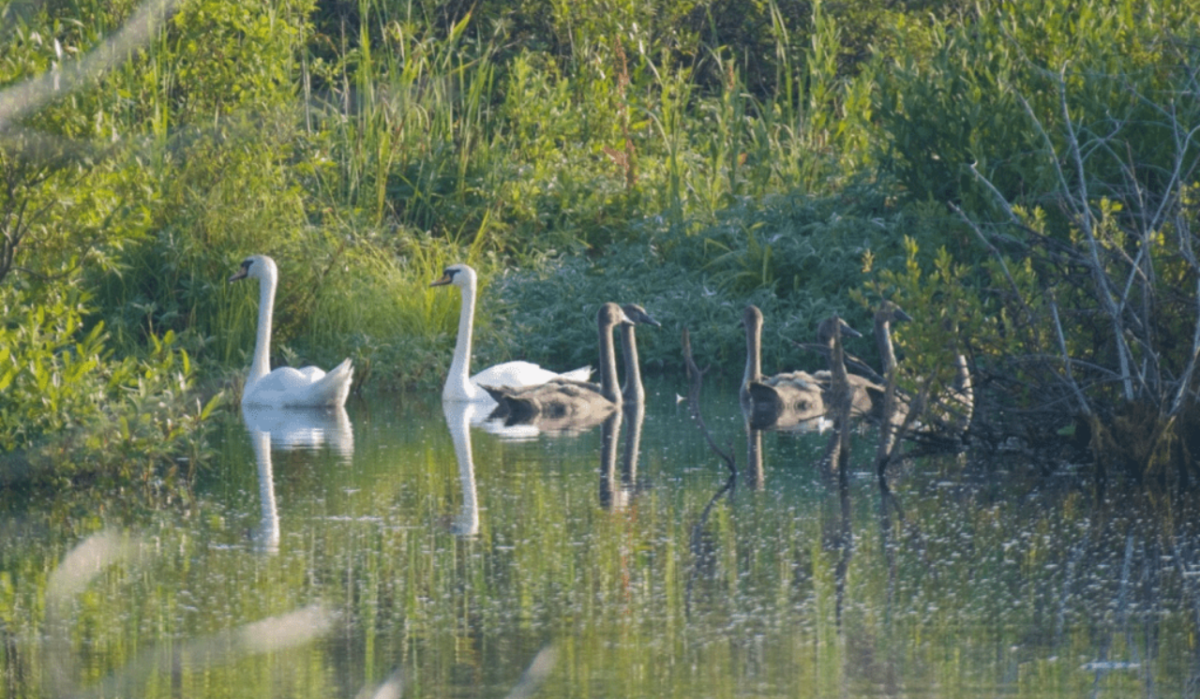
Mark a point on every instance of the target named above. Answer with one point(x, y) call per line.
point(638, 315)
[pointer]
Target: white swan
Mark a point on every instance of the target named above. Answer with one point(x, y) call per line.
point(460, 386)
point(285, 387)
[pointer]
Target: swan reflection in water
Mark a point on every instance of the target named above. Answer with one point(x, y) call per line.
point(612, 496)
point(618, 490)
point(458, 420)
point(294, 429)
point(266, 537)
point(291, 429)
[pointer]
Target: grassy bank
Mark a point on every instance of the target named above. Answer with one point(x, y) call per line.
point(1019, 177)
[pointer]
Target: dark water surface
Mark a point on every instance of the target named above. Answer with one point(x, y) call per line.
point(395, 551)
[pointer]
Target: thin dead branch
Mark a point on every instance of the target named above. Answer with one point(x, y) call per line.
point(1062, 343)
point(696, 381)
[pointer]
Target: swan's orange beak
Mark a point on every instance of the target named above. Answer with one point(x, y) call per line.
point(445, 279)
point(240, 274)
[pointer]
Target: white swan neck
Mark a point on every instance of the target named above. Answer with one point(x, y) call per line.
point(632, 391)
point(261, 365)
point(458, 381)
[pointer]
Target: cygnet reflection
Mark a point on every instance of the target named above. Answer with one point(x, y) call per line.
point(520, 432)
point(618, 490)
point(530, 429)
point(754, 460)
point(288, 429)
point(612, 496)
point(788, 421)
point(458, 421)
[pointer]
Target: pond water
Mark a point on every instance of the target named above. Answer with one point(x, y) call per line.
point(397, 550)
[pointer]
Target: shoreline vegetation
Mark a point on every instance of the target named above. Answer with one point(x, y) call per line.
point(1020, 177)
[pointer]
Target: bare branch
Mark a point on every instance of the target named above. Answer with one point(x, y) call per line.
point(1182, 171)
point(992, 248)
point(1037, 124)
point(1099, 278)
point(697, 380)
point(1066, 358)
point(1186, 381)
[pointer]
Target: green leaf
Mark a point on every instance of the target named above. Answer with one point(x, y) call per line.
point(211, 405)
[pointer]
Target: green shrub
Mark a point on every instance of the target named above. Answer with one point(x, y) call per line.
point(798, 258)
point(963, 96)
point(73, 409)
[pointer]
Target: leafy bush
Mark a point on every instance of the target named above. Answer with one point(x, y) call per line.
point(960, 101)
point(1056, 131)
point(72, 409)
point(796, 257)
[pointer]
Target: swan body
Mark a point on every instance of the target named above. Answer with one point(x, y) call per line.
point(567, 401)
point(632, 391)
point(285, 387)
point(868, 397)
point(788, 396)
point(789, 390)
point(559, 406)
point(460, 386)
